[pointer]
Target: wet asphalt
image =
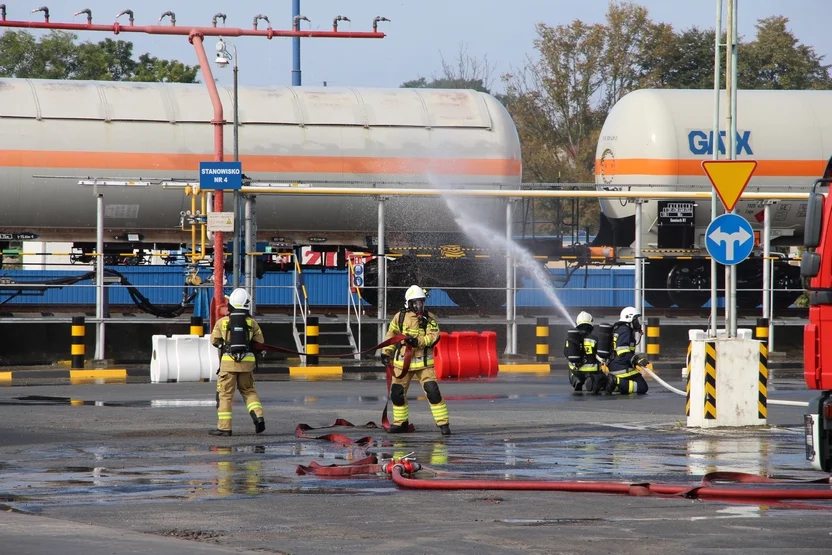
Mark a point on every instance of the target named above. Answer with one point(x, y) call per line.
point(129, 468)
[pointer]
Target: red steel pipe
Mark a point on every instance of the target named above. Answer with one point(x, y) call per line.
point(196, 38)
point(117, 28)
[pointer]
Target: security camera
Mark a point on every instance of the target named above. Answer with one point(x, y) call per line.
point(220, 45)
point(221, 60)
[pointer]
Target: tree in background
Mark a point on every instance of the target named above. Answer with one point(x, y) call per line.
point(58, 56)
point(463, 72)
point(560, 99)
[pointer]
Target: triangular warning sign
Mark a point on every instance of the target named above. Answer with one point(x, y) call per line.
point(729, 178)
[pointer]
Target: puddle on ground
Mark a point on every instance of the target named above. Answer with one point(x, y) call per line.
point(135, 472)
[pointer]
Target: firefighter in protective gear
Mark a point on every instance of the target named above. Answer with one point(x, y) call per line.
point(624, 374)
point(234, 335)
point(585, 366)
point(422, 334)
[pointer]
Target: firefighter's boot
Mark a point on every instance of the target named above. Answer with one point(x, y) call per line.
point(259, 423)
point(402, 428)
point(445, 429)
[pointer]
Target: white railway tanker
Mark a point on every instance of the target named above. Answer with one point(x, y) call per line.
point(660, 137)
point(55, 132)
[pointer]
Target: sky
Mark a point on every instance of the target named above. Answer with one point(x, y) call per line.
point(421, 32)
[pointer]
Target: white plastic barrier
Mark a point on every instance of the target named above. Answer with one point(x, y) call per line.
point(727, 383)
point(183, 358)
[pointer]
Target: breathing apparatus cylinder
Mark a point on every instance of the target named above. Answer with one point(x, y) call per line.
point(604, 345)
point(574, 349)
point(238, 344)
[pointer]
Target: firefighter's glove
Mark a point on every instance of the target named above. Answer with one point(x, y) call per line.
point(411, 340)
point(386, 359)
point(423, 322)
point(640, 361)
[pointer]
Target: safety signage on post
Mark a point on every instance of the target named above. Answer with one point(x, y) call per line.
point(729, 178)
point(729, 239)
point(358, 275)
point(226, 176)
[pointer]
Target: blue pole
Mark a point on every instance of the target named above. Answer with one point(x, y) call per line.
point(295, 47)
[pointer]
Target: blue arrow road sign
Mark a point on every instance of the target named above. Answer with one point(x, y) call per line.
point(226, 176)
point(729, 239)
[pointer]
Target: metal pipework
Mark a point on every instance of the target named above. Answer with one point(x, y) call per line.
point(337, 19)
point(86, 11)
point(218, 16)
point(128, 13)
point(185, 31)
point(260, 16)
point(45, 11)
point(172, 18)
point(288, 189)
point(3, 11)
point(297, 20)
point(376, 20)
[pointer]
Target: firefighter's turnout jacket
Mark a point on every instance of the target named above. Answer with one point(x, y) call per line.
point(624, 348)
point(590, 361)
point(221, 336)
point(407, 322)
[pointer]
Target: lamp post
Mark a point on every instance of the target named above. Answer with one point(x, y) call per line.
point(223, 58)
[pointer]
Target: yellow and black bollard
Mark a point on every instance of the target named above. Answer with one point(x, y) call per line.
point(542, 333)
point(196, 326)
point(761, 331)
point(77, 349)
point(312, 348)
point(653, 333)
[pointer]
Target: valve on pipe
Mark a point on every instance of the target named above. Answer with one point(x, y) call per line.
point(3, 11)
point(172, 18)
point(218, 16)
point(86, 11)
point(264, 18)
point(45, 11)
point(337, 19)
point(297, 20)
point(376, 20)
point(128, 13)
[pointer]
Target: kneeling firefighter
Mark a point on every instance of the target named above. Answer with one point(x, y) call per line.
point(422, 335)
point(581, 353)
point(234, 335)
point(624, 374)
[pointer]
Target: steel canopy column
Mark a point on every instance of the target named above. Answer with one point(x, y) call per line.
point(381, 257)
point(511, 322)
point(99, 278)
point(639, 275)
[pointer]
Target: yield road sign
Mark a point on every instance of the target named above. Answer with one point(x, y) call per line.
point(729, 239)
point(729, 178)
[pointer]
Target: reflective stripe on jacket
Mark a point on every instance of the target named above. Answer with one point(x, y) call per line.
point(590, 362)
point(623, 348)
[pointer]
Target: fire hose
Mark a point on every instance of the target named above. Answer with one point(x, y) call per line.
point(649, 369)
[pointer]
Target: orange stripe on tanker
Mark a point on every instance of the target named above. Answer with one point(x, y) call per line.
point(661, 166)
point(263, 163)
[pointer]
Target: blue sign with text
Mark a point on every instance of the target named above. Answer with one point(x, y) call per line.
point(226, 176)
point(729, 239)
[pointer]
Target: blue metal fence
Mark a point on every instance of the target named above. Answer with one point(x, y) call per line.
point(164, 285)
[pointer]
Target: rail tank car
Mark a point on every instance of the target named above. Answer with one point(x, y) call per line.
point(57, 131)
point(658, 138)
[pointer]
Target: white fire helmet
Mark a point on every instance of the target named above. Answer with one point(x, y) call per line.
point(628, 314)
point(414, 293)
point(583, 318)
point(239, 299)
